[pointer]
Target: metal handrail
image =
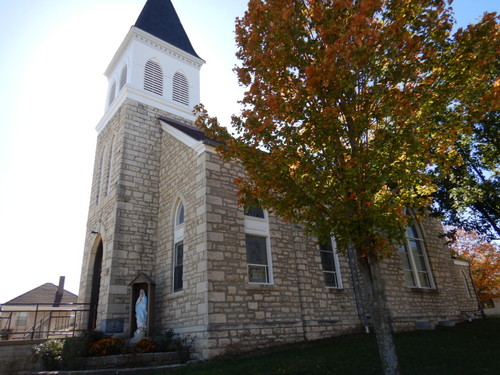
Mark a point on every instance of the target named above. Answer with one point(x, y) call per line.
point(42, 320)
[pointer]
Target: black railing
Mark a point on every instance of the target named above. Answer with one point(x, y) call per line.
point(43, 321)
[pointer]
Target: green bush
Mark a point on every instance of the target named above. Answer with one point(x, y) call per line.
point(50, 353)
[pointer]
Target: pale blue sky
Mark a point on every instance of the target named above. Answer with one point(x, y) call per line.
point(52, 95)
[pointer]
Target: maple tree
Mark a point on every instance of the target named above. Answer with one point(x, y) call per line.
point(348, 102)
point(484, 258)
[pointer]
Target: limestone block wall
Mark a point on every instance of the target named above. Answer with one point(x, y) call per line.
point(126, 215)
point(295, 306)
point(182, 178)
point(102, 209)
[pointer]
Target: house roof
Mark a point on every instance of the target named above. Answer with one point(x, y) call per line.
point(159, 18)
point(44, 294)
point(190, 130)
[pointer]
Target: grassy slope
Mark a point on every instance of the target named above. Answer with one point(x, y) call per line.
point(468, 348)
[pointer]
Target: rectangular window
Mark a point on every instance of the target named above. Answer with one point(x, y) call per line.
point(414, 260)
point(257, 259)
point(178, 259)
point(329, 263)
point(22, 319)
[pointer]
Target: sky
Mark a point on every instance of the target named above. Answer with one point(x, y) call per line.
point(52, 95)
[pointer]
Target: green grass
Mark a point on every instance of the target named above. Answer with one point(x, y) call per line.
point(468, 348)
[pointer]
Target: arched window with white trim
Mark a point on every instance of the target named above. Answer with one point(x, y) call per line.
point(99, 178)
point(466, 284)
point(258, 246)
point(110, 166)
point(112, 93)
point(178, 253)
point(414, 259)
point(123, 78)
point(330, 263)
point(153, 77)
point(180, 88)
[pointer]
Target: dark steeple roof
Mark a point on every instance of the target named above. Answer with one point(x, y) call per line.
point(159, 18)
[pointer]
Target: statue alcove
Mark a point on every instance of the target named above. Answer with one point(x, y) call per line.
point(142, 281)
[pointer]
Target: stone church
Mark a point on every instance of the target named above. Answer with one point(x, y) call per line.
point(163, 218)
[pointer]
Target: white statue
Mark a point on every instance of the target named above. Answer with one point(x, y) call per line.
point(141, 312)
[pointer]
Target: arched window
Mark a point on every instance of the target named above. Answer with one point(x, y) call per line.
point(153, 77)
point(110, 166)
point(466, 284)
point(258, 245)
point(330, 263)
point(99, 178)
point(112, 93)
point(123, 78)
point(414, 258)
point(178, 256)
point(179, 216)
point(180, 89)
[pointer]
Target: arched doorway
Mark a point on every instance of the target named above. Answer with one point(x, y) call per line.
point(96, 285)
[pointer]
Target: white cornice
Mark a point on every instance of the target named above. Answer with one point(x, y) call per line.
point(140, 96)
point(181, 136)
point(197, 146)
point(146, 38)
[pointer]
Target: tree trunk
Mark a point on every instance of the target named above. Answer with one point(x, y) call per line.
point(376, 304)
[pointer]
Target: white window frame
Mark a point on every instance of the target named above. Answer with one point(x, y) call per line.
point(180, 88)
point(153, 77)
point(110, 166)
point(100, 177)
point(178, 241)
point(123, 77)
point(410, 268)
point(336, 265)
point(112, 93)
point(259, 227)
point(466, 284)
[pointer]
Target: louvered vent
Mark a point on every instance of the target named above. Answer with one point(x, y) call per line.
point(153, 77)
point(112, 93)
point(180, 90)
point(123, 77)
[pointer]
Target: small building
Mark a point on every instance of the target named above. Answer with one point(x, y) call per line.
point(46, 311)
point(164, 220)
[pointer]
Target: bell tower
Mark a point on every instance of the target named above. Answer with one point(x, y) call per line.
point(155, 72)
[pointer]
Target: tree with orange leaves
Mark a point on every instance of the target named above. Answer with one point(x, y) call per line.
point(484, 258)
point(348, 103)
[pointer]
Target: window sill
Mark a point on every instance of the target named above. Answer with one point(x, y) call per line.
point(174, 295)
point(332, 289)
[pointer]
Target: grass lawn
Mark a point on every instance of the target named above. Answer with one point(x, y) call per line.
point(467, 348)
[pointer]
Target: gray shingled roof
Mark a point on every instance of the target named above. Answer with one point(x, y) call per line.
point(159, 18)
point(44, 294)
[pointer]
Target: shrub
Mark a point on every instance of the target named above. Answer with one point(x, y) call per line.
point(108, 346)
point(184, 346)
point(166, 343)
point(50, 352)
